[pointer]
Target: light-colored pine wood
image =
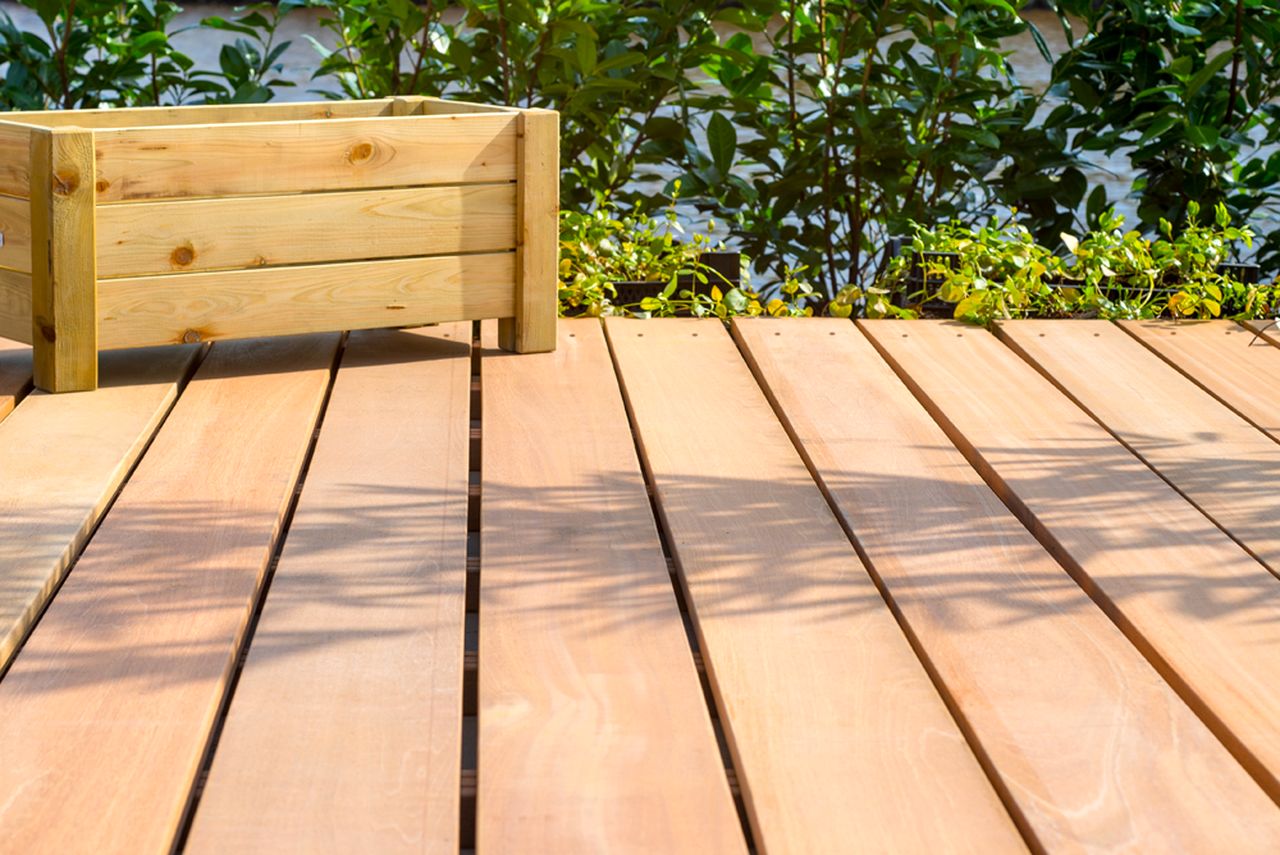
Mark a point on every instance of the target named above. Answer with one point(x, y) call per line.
point(64, 272)
point(15, 157)
point(1265, 330)
point(1226, 360)
point(15, 375)
point(15, 306)
point(973, 585)
point(594, 735)
point(840, 740)
point(345, 731)
point(285, 157)
point(1196, 604)
point(62, 459)
point(533, 328)
point(1220, 462)
point(206, 234)
point(445, 107)
point(308, 298)
point(105, 715)
point(15, 233)
point(204, 114)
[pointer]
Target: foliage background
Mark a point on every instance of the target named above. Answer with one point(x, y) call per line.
point(813, 129)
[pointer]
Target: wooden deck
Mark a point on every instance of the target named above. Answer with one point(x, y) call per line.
point(793, 586)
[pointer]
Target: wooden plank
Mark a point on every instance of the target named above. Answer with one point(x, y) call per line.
point(445, 107)
point(1195, 603)
point(208, 234)
point(970, 582)
point(15, 158)
point(533, 328)
point(1226, 360)
point(309, 298)
point(1265, 331)
point(15, 233)
point(840, 740)
point(62, 459)
point(203, 114)
point(15, 306)
point(594, 735)
point(353, 682)
point(105, 715)
point(286, 157)
point(1213, 457)
point(15, 375)
point(64, 309)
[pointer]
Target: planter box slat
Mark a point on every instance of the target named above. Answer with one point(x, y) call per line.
point(192, 307)
point(260, 231)
point(151, 226)
point(294, 157)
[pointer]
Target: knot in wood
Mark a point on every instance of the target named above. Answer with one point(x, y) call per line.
point(65, 182)
point(360, 152)
point(191, 337)
point(183, 255)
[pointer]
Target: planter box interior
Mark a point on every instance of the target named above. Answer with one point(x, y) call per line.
point(151, 226)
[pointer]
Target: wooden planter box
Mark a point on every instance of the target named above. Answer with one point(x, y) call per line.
point(137, 227)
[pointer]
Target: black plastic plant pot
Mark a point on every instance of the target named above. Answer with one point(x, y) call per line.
point(726, 264)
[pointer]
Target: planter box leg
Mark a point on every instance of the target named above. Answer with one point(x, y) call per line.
point(64, 299)
point(533, 329)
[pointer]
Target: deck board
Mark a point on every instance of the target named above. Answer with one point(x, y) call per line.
point(593, 732)
point(106, 713)
point(1202, 609)
point(1226, 360)
point(840, 740)
point(353, 680)
point(62, 460)
point(15, 374)
point(1220, 462)
point(972, 584)
point(1265, 330)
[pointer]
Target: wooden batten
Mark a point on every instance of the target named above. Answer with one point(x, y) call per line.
point(533, 328)
point(262, 231)
point(190, 307)
point(291, 157)
point(139, 117)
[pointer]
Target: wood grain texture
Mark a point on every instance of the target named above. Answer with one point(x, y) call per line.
point(344, 734)
point(445, 107)
point(1265, 330)
point(15, 157)
point(1198, 606)
point(1225, 360)
point(15, 306)
point(840, 740)
point(594, 735)
point(207, 234)
point(285, 157)
point(533, 328)
point(62, 459)
point(64, 309)
point(1143, 773)
point(15, 233)
point(15, 375)
point(105, 715)
point(203, 114)
point(1216, 459)
point(308, 298)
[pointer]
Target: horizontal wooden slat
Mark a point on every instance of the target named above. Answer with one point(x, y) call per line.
point(287, 157)
point(344, 735)
point(107, 711)
point(15, 305)
point(15, 158)
point(840, 740)
point(15, 374)
point(200, 114)
point(206, 234)
point(1221, 463)
point(62, 458)
point(1201, 609)
point(444, 107)
point(1226, 360)
point(15, 231)
point(973, 585)
point(310, 298)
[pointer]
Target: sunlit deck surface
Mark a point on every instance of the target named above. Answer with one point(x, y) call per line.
point(795, 586)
